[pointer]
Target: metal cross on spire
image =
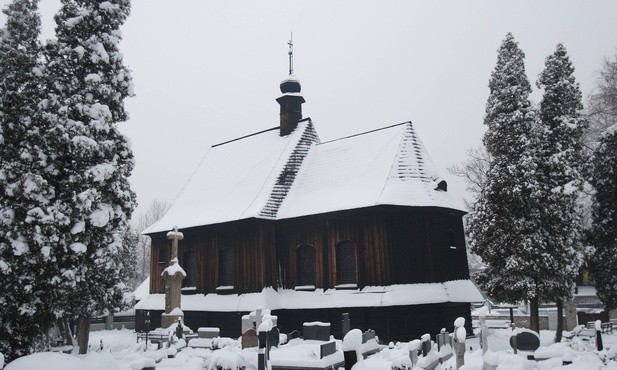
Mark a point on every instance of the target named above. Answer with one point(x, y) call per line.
point(291, 54)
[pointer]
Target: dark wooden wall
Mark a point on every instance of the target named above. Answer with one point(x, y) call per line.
point(254, 260)
point(394, 245)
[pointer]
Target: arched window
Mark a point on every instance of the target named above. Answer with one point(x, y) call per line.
point(305, 267)
point(190, 267)
point(162, 254)
point(346, 265)
point(226, 269)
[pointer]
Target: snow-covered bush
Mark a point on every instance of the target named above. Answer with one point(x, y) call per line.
point(225, 359)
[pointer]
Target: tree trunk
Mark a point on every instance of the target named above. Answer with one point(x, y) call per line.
point(534, 315)
point(83, 333)
point(559, 320)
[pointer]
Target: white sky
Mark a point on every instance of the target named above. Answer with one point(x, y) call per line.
point(209, 71)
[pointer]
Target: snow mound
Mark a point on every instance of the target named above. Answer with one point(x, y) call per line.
point(352, 340)
point(62, 361)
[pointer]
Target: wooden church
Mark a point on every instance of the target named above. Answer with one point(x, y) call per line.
point(281, 220)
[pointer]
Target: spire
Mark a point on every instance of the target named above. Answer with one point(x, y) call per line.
point(291, 101)
point(291, 54)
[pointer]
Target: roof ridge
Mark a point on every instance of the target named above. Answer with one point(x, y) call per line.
point(366, 132)
point(257, 133)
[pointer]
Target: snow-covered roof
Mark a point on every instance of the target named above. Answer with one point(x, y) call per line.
point(272, 177)
point(462, 291)
point(389, 166)
point(142, 290)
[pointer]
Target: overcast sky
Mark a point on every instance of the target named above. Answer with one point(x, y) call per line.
point(209, 71)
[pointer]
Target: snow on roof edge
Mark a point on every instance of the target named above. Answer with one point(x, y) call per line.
point(455, 291)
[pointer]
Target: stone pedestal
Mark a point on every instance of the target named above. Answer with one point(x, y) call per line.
point(173, 276)
point(571, 319)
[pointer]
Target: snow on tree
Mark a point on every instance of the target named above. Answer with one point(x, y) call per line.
point(560, 170)
point(27, 217)
point(505, 224)
point(604, 236)
point(602, 103)
point(88, 84)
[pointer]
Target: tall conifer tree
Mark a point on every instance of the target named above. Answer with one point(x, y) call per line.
point(505, 222)
point(88, 84)
point(27, 218)
point(561, 155)
point(604, 236)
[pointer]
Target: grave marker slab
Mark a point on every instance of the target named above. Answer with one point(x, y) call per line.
point(316, 331)
point(327, 349)
point(368, 335)
point(274, 336)
point(249, 339)
point(526, 341)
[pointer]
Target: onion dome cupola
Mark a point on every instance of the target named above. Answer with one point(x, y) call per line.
point(291, 100)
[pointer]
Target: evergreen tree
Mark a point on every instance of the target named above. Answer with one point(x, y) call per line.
point(562, 154)
point(88, 84)
point(27, 218)
point(604, 236)
point(505, 223)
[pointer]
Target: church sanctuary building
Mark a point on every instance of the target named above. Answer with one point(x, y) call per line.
point(280, 220)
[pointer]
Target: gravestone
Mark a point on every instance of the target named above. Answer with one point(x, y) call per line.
point(426, 346)
point(526, 341)
point(368, 335)
point(443, 338)
point(274, 336)
point(293, 335)
point(345, 324)
point(249, 339)
point(316, 331)
point(263, 339)
point(208, 333)
point(327, 349)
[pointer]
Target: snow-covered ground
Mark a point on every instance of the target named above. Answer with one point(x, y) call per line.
point(122, 352)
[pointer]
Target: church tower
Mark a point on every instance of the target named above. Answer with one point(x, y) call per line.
point(291, 100)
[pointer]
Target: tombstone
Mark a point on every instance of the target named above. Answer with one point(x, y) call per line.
point(414, 348)
point(327, 349)
point(525, 341)
point(599, 345)
point(458, 341)
point(350, 357)
point(262, 337)
point(443, 338)
point(316, 331)
point(345, 324)
point(368, 335)
point(293, 335)
point(208, 333)
point(426, 344)
point(571, 318)
point(249, 339)
point(262, 360)
point(274, 336)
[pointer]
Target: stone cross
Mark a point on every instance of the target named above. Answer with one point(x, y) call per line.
point(173, 276)
point(174, 236)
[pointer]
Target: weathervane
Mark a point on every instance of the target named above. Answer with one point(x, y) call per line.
point(291, 54)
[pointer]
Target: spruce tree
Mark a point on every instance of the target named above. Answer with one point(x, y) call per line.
point(560, 170)
point(27, 217)
point(88, 85)
point(505, 222)
point(604, 236)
